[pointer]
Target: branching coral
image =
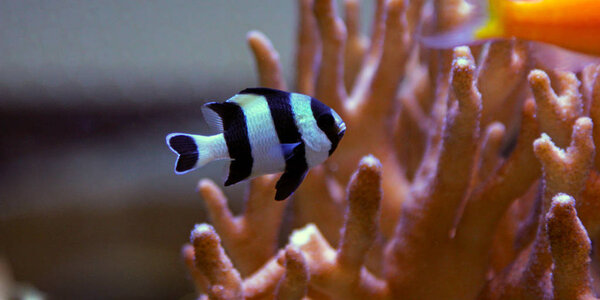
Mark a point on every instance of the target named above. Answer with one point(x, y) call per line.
point(294, 283)
point(338, 272)
point(482, 184)
point(570, 247)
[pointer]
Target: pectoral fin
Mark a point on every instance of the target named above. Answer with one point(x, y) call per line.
point(288, 183)
point(289, 150)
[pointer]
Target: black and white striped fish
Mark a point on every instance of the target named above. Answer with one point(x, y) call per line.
point(263, 131)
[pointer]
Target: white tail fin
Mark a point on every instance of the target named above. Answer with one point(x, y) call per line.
point(193, 150)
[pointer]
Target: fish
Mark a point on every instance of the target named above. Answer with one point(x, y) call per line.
point(569, 24)
point(263, 131)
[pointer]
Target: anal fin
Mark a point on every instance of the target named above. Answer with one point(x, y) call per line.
point(289, 181)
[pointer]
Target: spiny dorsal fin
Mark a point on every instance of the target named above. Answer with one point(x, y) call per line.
point(220, 115)
point(263, 91)
point(212, 118)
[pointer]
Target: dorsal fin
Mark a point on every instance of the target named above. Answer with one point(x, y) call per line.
point(263, 91)
point(212, 118)
point(220, 115)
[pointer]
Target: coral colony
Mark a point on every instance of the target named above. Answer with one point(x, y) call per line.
point(477, 173)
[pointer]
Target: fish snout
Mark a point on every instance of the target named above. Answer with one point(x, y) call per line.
point(341, 130)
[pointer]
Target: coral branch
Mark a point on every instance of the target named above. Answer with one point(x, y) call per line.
point(588, 78)
point(341, 274)
point(385, 83)
point(251, 238)
point(489, 154)
point(216, 203)
point(517, 173)
point(259, 204)
point(505, 62)
point(413, 15)
point(556, 113)
point(352, 19)
point(364, 196)
point(356, 45)
point(200, 282)
point(307, 48)
point(330, 82)
point(431, 215)
point(211, 260)
point(267, 61)
point(570, 247)
point(326, 276)
point(528, 227)
point(459, 209)
point(588, 205)
point(325, 210)
point(453, 172)
point(378, 29)
point(563, 171)
point(262, 283)
point(293, 285)
point(595, 113)
point(566, 171)
point(413, 124)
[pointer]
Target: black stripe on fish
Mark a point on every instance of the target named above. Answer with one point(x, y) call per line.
point(235, 132)
point(326, 122)
point(288, 133)
point(281, 112)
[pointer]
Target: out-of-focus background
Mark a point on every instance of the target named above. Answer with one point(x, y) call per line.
point(89, 204)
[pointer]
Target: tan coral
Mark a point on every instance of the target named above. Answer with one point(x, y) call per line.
point(529, 276)
point(331, 271)
point(381, 73)
point(251, 238)
point(556, 113)
point(474, 197)
point(294, 283)
point(224, 280)
point(341, 273)
point(570, 247)
point(431, 213)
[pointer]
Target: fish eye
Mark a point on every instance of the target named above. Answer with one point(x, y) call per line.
point(326, 121)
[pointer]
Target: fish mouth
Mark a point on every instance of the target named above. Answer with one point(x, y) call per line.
point(342, 131)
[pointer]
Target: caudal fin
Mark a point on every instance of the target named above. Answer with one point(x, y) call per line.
point(189, 147)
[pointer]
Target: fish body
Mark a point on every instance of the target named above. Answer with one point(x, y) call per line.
point(263, 131)
point(570, 24)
